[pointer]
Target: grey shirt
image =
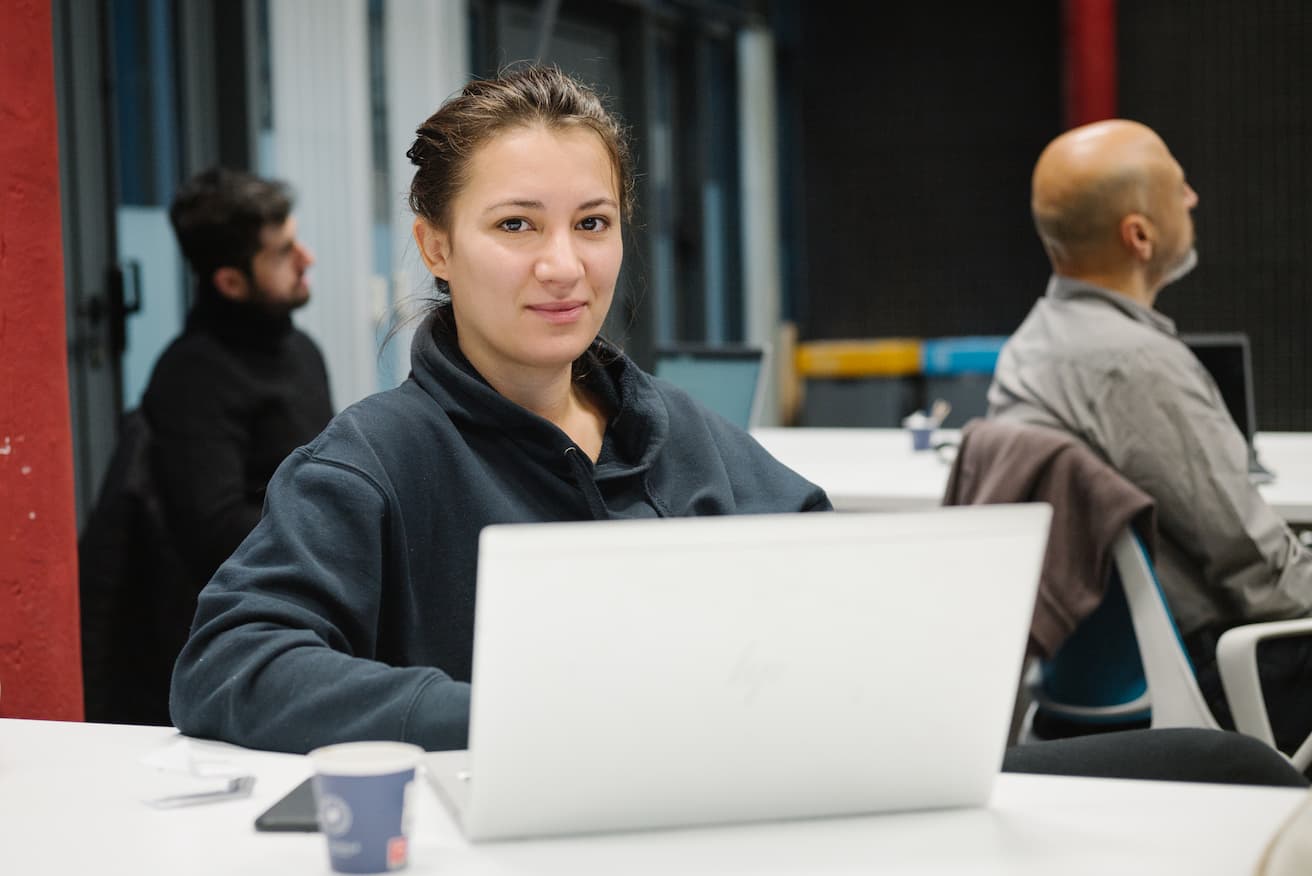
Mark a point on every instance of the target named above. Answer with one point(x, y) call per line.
point(1096, 364)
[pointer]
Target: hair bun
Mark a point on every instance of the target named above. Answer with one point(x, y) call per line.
point(421, 151)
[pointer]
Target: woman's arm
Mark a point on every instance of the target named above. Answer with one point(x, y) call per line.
point(282, 651)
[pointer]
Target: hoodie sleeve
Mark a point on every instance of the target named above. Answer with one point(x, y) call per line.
point(764, 484)
point(282, 650)
point(714, 467)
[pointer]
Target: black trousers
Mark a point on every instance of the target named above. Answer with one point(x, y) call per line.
point(1284, 667)
point(1179, 754)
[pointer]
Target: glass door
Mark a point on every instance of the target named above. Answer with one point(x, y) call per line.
point(149, 92)
point(148, 169)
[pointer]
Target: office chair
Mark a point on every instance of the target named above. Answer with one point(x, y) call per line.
point(1166, 690)
point(1102, 675)
point(1123, 659)
point(136, 595)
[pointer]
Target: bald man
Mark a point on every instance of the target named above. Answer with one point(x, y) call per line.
point(1094, 358)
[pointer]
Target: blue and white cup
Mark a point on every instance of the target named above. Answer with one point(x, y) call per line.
point(921, 428)
point(363, 793)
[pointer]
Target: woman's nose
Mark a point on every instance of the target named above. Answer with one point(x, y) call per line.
point(558, 262)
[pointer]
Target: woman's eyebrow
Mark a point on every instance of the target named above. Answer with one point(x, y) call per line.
point(516, 202)
point(529, 204)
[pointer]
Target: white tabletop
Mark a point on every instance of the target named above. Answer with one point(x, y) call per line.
point(863, 469)
point(71, 802)
point(1289, 455)
point(876, 469)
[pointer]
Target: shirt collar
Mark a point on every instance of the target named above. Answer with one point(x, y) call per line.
point(1066, 288)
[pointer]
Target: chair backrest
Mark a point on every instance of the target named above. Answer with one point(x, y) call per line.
point(1127, 659)
point(1097, 675)
point(136, 594)
point(1172, 685)
point(1118, 652)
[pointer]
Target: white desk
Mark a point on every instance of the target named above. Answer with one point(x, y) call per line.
point(876, 469)
point(863, 469)
point(1289, 455)
point(70, 802)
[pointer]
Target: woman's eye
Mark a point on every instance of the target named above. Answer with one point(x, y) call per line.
point(513, 225)
point(594, 223)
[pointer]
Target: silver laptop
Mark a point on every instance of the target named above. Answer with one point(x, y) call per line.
point(647, 674)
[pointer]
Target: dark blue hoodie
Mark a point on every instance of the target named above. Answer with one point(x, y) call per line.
point(348, 612)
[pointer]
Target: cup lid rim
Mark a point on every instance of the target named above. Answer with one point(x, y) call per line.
point(365, 758)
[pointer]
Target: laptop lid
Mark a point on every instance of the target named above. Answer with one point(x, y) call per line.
point(642, 674)
point(728, 380)
point(1228, 359)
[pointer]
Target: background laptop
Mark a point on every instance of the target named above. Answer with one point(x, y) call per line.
point(1230, 361)
point(644, 674)
point(728, 380)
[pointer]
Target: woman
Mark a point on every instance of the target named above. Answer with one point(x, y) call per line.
point(348, 613)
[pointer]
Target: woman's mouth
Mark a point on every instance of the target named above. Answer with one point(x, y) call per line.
point(560, 312)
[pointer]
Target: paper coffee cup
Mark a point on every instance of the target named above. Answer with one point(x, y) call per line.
point(362, 794)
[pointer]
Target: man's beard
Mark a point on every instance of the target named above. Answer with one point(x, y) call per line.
point(1186, 263)
point(274, 305)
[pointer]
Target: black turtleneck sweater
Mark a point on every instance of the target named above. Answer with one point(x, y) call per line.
point(227, 401)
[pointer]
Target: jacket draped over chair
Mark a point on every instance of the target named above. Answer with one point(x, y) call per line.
point(1005, 462)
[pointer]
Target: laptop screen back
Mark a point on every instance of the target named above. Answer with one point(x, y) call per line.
point(651, 673)
point(726, 380)
point(1228, 359)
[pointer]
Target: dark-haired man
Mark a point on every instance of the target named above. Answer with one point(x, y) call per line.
point(241, 387)
point(1112, 207)
point(227, 401)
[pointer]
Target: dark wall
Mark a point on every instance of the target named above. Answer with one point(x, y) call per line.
point(919, 126)
point(916, 130)
point(1225, 82)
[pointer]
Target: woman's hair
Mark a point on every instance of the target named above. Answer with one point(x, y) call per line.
point(523, 97)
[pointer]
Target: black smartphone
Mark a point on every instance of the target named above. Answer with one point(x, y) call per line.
point(294, 812)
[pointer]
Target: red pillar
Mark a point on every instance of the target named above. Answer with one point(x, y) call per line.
point(40, 654)
point(1089, 60)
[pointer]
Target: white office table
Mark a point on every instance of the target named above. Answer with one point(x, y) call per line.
point(1289, 455)
point(863, 469)
point(70, 802)
point(876, 469)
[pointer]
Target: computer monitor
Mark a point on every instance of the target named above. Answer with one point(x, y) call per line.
point(728, 380)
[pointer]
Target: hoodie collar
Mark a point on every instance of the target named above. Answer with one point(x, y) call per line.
point(639, 420)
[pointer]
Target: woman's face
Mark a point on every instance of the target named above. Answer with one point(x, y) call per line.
point(532, 252)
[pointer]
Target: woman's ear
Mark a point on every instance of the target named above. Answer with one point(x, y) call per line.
point(434, 247)
point(232, 284)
